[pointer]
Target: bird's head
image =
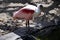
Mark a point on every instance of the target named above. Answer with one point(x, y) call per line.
point(40, 6)
point(40, 9)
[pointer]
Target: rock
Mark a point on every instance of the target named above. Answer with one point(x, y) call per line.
point(21, 31)
point(9, 36)
point(2, 30)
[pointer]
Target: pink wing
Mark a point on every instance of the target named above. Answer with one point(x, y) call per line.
point(24, 14)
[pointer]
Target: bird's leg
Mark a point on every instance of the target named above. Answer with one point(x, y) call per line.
point(27, 25)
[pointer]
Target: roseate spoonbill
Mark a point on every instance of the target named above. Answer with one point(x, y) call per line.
point(27, 13)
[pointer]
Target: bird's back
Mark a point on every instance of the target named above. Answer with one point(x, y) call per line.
point(31, 7)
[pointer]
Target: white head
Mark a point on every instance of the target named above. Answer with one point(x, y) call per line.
point(39, 10)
